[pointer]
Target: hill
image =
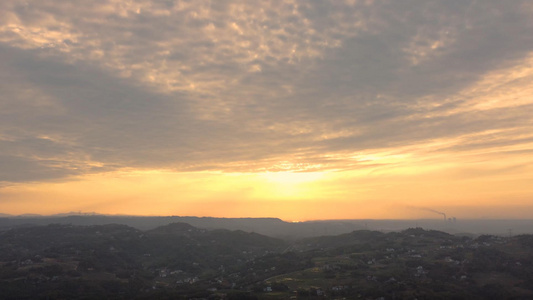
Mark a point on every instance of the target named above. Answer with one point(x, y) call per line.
point(179, 260)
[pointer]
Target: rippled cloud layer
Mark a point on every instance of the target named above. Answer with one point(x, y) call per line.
point(375, 87)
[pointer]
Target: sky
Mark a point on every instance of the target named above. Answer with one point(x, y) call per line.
point(300, 110)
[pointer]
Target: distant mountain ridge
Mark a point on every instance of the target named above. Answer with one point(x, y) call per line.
point(275, 227)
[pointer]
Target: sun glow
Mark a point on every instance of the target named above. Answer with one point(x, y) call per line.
point(292, 177)
point(291, 185)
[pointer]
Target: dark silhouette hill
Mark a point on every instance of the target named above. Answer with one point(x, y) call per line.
point(181, 261)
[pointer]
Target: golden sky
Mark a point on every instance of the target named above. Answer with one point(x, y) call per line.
point(299, 110)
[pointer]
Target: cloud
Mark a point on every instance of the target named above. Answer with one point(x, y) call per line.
point(268, 86)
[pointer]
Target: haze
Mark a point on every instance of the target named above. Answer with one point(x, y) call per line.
point(299, 110)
